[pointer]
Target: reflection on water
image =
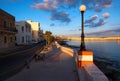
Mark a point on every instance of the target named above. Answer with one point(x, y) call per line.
point(103, 49)
point(118, 42)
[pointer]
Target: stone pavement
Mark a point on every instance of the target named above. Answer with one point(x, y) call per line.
point(57, 66)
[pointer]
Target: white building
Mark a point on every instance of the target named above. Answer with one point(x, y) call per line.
point(24, 33)
point(36, 32)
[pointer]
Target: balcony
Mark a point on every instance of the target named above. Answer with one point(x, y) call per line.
point(10, 29)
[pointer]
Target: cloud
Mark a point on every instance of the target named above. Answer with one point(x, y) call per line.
point(56, 7)
point(44, 6)
point(97, 5)
point(71, 3)
point(51, 5)
point(115, 30)
point(107, 3)
point(92, 18)
point(106, 15)
point(61, 16)
point(99, 23)
point(95, 24)
point(105, 33)
point(91, 21)
point(52, 24)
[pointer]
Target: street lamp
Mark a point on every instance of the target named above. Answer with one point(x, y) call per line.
point(84, 56)
point(82, 9)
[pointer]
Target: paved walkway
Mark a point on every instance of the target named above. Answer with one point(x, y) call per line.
point(57, 66)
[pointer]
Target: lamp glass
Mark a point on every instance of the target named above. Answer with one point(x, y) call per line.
point(82, 8)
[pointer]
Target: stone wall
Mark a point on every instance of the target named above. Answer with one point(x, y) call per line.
point(90, 72)
point(7, 30)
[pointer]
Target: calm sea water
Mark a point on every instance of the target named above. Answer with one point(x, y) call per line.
point(103, 49)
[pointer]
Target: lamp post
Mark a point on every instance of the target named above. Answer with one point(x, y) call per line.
point(84, 56)
point(82, 9)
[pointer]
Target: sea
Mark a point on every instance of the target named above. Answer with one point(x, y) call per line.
point(101, 49)
point(105, 52)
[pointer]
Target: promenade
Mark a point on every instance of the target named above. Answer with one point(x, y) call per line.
point(57, 66)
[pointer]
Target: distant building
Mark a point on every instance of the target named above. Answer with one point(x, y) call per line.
point(40, 33)
point(24, 34)
point(7, 29)
point(36, 32)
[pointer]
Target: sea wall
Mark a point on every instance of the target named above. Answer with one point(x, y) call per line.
point(90, 72)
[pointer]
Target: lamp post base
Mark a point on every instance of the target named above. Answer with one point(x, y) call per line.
point(84, 57)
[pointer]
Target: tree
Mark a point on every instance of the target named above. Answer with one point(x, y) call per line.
point(48, 37)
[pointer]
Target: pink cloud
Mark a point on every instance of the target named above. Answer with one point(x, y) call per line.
point(44, 6)
point(52, 4)
point(106, 15)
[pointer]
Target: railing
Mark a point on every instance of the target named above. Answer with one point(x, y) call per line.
point(11, 29)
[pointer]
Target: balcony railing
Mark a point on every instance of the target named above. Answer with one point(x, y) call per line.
point(11, 29)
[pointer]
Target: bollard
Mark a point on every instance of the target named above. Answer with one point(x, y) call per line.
point(84, 57)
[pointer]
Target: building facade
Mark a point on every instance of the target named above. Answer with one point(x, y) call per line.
point(7, 30)
point(24, 34)
point(41, 35)
point(36, 32)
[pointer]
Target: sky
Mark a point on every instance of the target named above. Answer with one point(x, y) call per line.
point(63, 17)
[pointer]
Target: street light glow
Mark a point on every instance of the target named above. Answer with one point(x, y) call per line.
point(82, 8)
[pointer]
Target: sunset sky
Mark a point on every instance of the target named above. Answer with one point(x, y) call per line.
point(62, 17)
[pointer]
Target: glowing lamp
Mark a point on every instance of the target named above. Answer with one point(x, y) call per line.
point(82, 8)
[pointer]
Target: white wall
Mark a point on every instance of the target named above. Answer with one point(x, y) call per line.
point(27, 33)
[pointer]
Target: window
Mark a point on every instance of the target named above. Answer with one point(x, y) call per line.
point(15, 38)
point(26, 38)
point(5, 24)
point(11, 39)
point(5, 39)
point(22, 39)
point(26, 29)
point(22, 29)
point(10, 24)
point(29, 29)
